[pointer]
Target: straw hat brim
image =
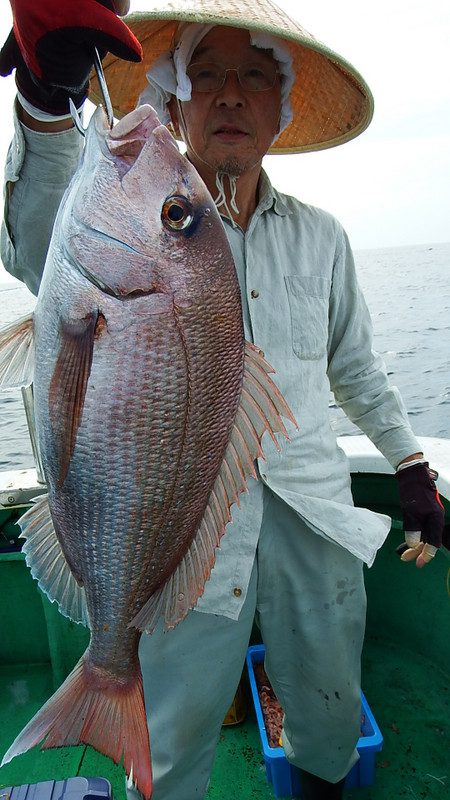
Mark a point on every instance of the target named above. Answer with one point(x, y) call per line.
point(330, 100)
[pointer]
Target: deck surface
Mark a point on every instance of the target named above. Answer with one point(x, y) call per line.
point(408, 695)
point(407, 691)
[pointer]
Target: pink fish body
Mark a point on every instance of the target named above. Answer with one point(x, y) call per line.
point(150, 409)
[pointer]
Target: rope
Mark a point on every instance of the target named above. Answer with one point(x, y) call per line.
point(221, 199)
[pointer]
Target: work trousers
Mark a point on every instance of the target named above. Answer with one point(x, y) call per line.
point(307, 596)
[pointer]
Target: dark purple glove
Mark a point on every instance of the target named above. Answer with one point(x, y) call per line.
point(423, 513)
point(51, 48)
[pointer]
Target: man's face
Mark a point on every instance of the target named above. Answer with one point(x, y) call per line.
point(230, 129)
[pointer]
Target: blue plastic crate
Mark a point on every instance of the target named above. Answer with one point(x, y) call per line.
point(77, 788)
point(284, 777)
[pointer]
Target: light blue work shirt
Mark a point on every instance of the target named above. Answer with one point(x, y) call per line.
point(303, 308)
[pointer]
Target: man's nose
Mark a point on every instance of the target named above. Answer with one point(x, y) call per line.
point(231, 93)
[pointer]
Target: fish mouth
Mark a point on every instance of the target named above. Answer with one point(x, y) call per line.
point(129, 136)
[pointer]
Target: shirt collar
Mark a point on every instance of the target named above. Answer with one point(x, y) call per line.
point(270, 198)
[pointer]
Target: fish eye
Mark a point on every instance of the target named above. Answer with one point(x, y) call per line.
point(177, 213)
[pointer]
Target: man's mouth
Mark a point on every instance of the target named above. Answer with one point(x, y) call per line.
point(230, 133)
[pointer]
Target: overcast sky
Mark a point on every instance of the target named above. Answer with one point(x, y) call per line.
point(391, 185)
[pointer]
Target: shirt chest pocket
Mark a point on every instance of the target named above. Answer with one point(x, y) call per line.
point(308, 303)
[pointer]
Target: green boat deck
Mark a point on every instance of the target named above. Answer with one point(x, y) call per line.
point(405, 677)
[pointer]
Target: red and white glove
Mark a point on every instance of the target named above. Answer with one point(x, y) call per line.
point(51, 47)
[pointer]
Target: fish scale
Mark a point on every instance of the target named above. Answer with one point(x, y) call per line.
point(150, 409)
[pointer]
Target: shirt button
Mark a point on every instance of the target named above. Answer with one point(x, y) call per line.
point(237, 591)
point(254, 293)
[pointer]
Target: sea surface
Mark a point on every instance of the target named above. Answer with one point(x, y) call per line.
point(407, 290)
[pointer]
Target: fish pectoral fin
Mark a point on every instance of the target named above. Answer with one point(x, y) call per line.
point(48, 564)
point(261, 409)
point(68, 386)
point(17, 354)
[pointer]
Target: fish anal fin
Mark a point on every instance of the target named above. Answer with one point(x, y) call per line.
point(17, 354)
point(68, 386)
point(261, 409)
point(48, 564)
point(187, 583)
point(94, 707)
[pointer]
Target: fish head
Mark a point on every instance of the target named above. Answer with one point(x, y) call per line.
point(138, 218)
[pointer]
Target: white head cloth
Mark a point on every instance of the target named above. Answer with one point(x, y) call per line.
point(168, 76)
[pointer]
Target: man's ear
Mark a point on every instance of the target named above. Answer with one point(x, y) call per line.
point(173, 111)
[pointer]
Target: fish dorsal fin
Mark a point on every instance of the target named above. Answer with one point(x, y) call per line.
point(17, 354)
point(261, 409)
point(68, 386)
point(48, 564)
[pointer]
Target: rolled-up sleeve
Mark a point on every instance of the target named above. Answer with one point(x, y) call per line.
point(356, 372)
point(38, 168)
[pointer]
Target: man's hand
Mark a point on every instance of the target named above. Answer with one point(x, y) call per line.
point(51, 47)
point(423, 513)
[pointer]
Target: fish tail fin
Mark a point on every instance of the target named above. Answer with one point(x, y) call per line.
point(92, 707)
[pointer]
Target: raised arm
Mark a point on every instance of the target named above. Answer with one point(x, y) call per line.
point(51, 49)
point(39, 166)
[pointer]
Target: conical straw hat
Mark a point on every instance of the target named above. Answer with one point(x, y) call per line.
point(330, 100)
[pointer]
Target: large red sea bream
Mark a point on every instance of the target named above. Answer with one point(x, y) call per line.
point(150, 409)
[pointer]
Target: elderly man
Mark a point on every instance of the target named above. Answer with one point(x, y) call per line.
point(294, 554)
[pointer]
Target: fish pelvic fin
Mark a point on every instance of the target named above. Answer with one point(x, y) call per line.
point(93, 707)
point(261, 409)
point(69, 384)
point(17, 354)
point(48, 564)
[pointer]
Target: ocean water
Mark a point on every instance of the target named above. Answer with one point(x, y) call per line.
point(407, 290)
point(408, 293)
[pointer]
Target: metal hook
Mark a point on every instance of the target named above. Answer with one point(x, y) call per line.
point(105, 95)
point(103, 87)
point(76, 117)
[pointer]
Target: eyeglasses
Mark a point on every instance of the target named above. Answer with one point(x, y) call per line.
point(252, 77)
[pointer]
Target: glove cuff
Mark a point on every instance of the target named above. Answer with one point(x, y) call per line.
point(38, 113)
point(50, 100)
point(407, 464)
